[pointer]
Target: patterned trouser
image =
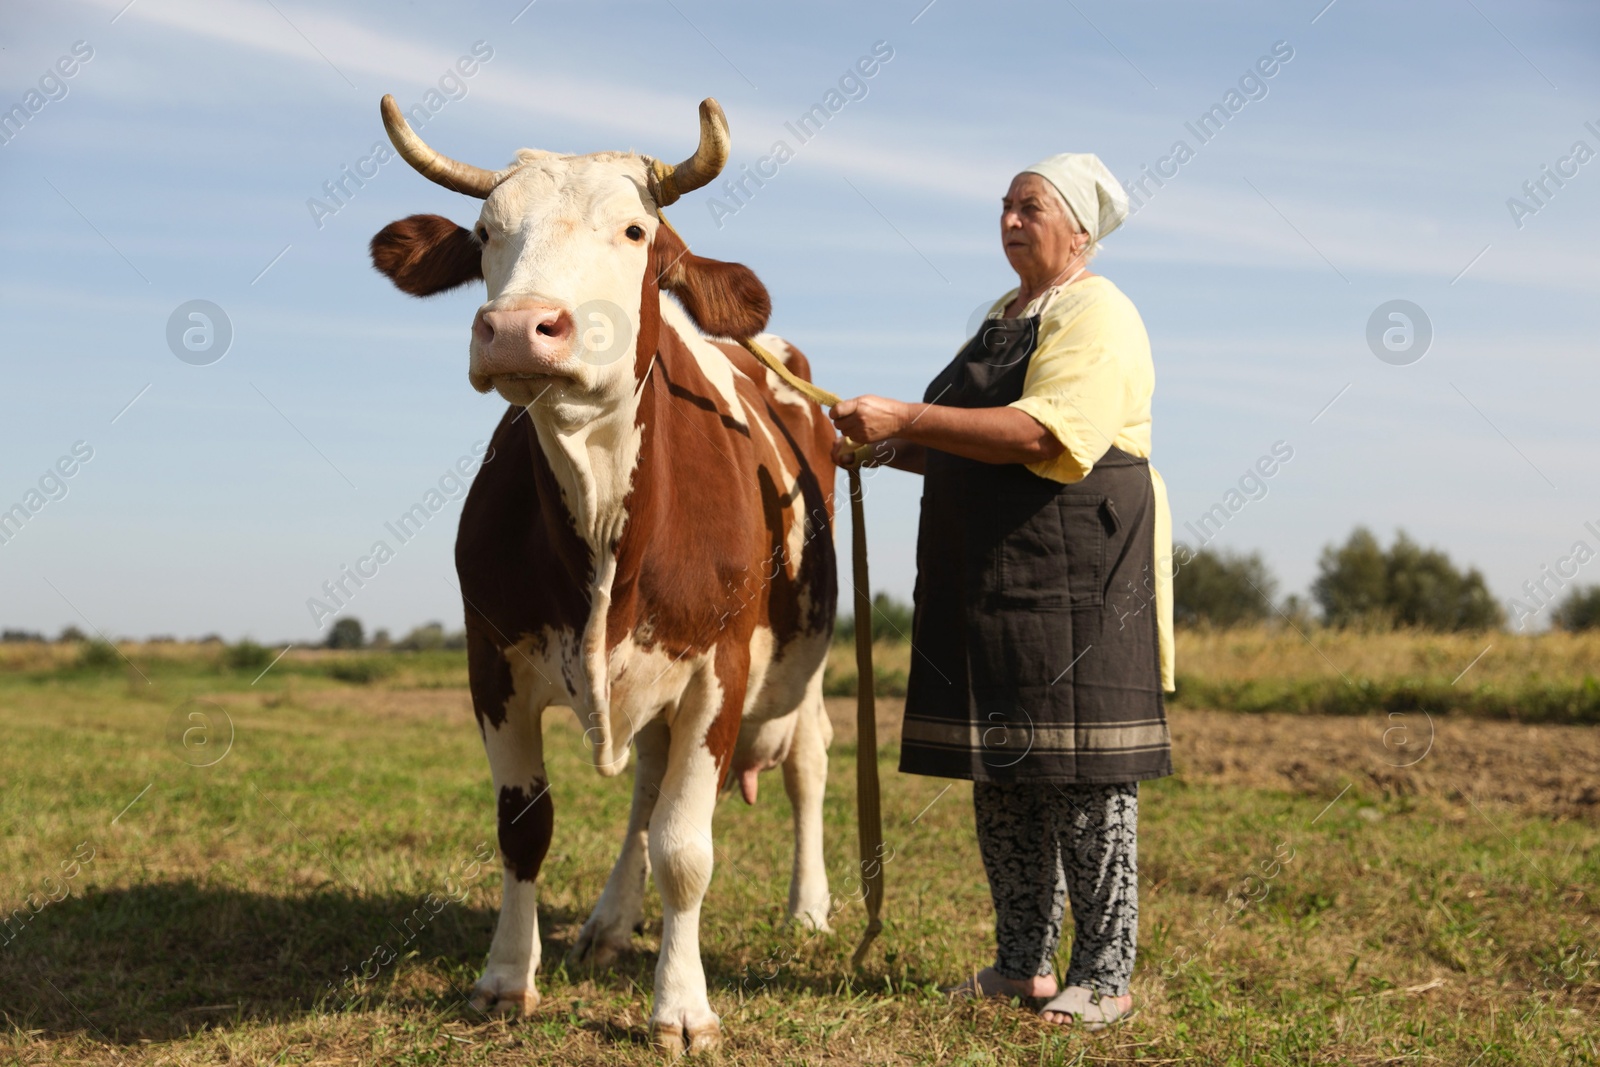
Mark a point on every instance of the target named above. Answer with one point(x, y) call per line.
point(1042, 843)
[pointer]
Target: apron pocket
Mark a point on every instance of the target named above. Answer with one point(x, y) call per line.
point(1087, 523)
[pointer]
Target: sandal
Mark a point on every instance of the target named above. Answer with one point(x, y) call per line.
point(1084, 1007)
point(996, 986)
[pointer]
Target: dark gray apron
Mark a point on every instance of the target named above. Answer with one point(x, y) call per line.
point(1035, 652)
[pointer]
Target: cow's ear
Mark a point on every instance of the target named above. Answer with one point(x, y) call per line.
point(723, 299)
point(427, 254)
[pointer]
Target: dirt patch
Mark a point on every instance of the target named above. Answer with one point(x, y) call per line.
point(1554, 770)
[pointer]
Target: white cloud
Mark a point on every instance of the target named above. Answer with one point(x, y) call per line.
point(1193, 220)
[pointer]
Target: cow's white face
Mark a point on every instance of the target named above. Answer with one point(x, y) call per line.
point(566, 244)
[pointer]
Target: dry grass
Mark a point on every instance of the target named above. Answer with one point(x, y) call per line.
point(1507, 660)
point(1551, 677)
point(1544, 678)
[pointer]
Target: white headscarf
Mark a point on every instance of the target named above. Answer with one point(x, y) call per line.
point(1093, 195)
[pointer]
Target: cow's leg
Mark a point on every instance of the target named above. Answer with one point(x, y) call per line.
point(526, 817)
point(681, 855)
point(805, 777)
point(620, 909)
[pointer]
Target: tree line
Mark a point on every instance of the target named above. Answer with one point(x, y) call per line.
point(1359, 584)
point(346, 633)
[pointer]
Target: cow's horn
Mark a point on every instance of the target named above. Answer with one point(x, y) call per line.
point(452, 174)
point(667, 183)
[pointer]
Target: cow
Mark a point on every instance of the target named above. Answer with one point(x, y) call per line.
point(649, 545)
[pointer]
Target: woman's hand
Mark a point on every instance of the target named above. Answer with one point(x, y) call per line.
point(848, 453)
point(868, 419)
point(896, 452)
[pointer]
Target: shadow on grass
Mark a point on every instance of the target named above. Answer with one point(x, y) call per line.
point(167, 959)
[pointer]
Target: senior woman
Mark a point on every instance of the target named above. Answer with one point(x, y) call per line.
point(1043, 628)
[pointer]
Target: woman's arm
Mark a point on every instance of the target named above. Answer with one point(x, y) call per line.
point(988, 435)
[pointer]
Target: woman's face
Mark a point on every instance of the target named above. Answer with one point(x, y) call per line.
point(1038, 233)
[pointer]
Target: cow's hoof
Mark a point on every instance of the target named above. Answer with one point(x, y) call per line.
point(490, 996)
point(673, 1039)
point(597, 954)
point(815, 919)
point(598, 948)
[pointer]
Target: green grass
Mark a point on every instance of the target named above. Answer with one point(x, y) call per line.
point(1537, 700)
point(227, 906)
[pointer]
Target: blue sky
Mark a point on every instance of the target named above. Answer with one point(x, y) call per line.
point(1377, 166)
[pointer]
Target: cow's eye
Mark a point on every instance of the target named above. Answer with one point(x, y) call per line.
point(635, 232)
point(482, 233)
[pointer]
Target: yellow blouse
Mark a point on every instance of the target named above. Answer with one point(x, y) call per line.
point(1089, 383)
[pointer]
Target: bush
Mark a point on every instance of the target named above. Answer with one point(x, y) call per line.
point(361, 671)
point(1297, 612)
point(424, 638)
point(1578, 610)
point(1222, 589)
point(430, 637)
point(891, 621)
point(19, 636)
point(246, 656)
point(346, 633)
point(1359, 584)
point(98, 655)
point(71, 635)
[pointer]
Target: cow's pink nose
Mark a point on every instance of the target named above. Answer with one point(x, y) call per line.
point(533, 339)
point(552, 323)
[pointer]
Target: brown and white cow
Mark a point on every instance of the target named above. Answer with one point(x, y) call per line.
point(650, 546)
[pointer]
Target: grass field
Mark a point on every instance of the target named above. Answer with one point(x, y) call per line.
point(295, 878)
